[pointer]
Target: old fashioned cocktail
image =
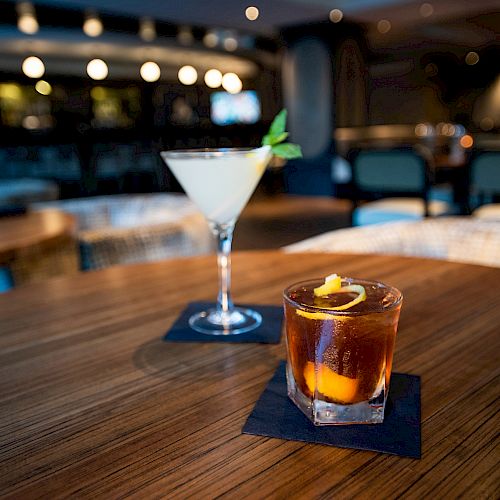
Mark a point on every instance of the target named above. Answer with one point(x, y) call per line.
point(340, 342)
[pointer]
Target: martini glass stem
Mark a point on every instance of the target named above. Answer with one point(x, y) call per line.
point(224, 235)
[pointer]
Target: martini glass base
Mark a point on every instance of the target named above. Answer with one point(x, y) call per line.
point(215, 322)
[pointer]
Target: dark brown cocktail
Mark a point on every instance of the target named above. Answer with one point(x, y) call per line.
point(340, 348)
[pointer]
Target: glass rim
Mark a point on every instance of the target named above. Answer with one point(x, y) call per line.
point(211, 152)
point(307, 307)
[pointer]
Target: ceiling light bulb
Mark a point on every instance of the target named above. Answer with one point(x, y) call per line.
point(252, 13)
point(426, 10)
point(232, 83)
point(26, 21)
point(211, 39)
point(150, 71)
point(187, 75)
point(213, 78)
point(336, 15)
point(27, 24)
point(472, 58)
point(33, 67)
point(97, 69)
point(384, 26)
point(185, 36)
point(92, 26)
point(230, 44)
point(147, 29)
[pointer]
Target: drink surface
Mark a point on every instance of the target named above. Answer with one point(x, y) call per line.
point(337, 357)
point(220, 185)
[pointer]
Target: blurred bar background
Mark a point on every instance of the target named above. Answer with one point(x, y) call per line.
point(90, 92)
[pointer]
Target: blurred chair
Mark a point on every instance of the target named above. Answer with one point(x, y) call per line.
point(485, 184)
point(6, 282)
point(35, 246)
point(21, 192)
point(123, 229)
point(398, 180)
point(459, 239)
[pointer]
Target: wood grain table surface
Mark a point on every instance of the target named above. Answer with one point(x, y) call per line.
point(93, 404)
point(34, 231)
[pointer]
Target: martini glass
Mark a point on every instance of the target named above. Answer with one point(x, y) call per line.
point(220, 182)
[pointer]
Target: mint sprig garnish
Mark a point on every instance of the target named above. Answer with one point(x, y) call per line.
point(277, 135)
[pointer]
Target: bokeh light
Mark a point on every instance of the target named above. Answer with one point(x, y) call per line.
point(211, 39)
point(232, 83)
point(252, 13)
point(33, 67)
point(147, 29)
point(336, 15)
point(421, 130)
point(31, 122)
point(97, 69)
point(43, 87)
point(188, 75)
point(230, 43)
point(384, 26)
point(185, 35)
point(472, 58)
point(26, 21)
point(92, 26)
point(487, 123)
point(426, 10)
point(213, 78)
point(150, 71)
point(466, 141)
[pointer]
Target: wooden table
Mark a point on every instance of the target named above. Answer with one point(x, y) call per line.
point(94, 404)
point(38, 244)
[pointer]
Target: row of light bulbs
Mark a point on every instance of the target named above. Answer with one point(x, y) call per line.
point(93, 27)
point(97, 69)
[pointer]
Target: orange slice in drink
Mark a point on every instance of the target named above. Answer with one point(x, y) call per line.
point(334, 386)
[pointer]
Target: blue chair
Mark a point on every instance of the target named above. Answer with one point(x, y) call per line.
point(485, 184)
point(398, 184)
point(6, 282)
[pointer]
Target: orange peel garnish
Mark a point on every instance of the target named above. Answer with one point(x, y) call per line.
point(360, 290)
point(332, 284)
point(334, 386)
point(315, 315)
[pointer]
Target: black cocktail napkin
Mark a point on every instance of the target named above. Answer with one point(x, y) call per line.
point(269, 332)
point(275, 415)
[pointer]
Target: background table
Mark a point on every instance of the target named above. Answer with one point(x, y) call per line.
point(36, 245)
point(93, 403)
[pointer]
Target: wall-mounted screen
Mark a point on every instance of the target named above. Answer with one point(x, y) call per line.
point(231, 109)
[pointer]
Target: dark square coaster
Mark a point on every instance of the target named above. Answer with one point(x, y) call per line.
point(269, 332)
point(275, 415)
